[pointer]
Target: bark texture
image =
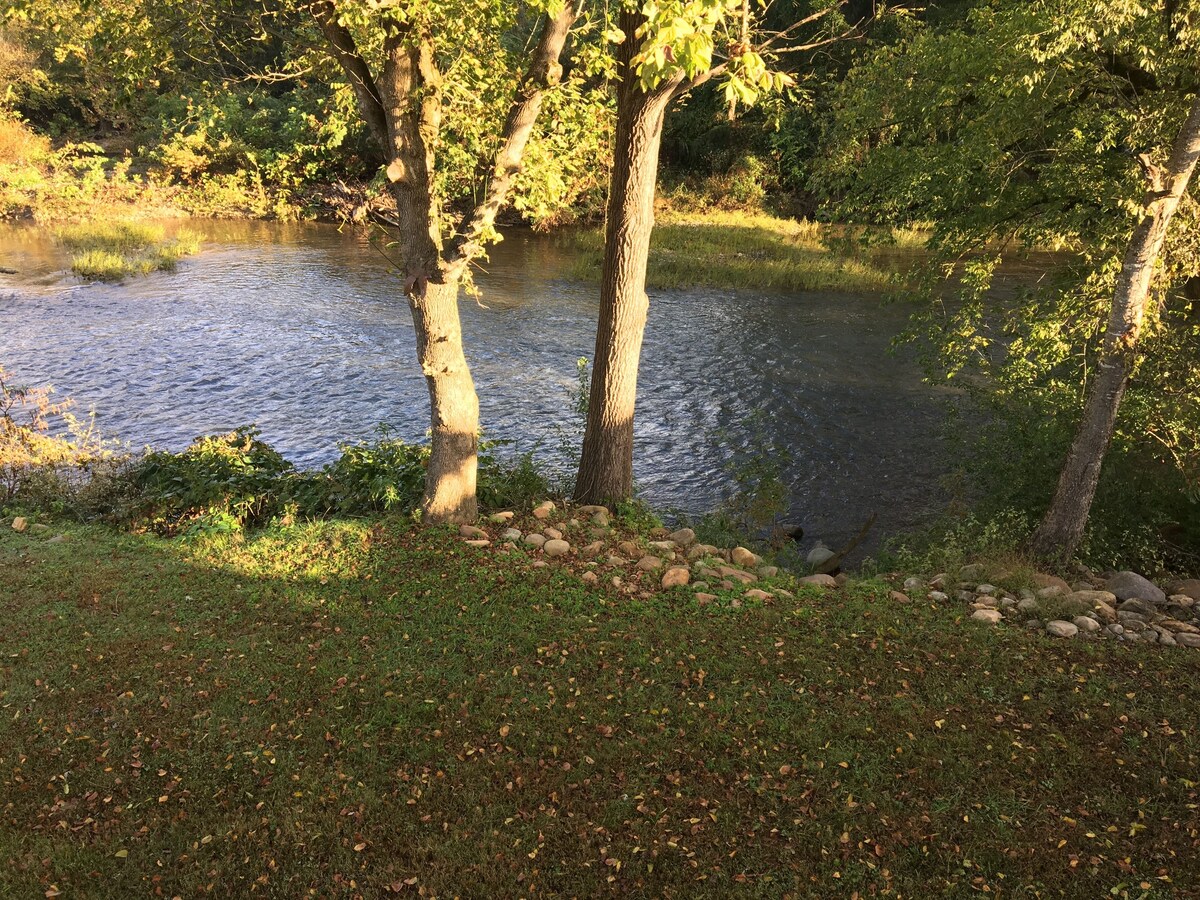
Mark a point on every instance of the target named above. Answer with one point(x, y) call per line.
point(606, 464)
point(402, 108)
point(1060, 532)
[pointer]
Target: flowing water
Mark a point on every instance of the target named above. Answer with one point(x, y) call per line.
point(302, 330)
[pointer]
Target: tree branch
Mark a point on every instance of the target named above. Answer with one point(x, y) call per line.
point(345, 51)
point(544, 73)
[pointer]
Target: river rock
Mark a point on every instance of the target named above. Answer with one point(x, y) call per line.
point(470, 531)
point(1027, 604)
point(971, 572)
point(1189, 588)
point(737, 574)
point(511, 534)
point(986, 602)
point(1059, 628)
point(1184, 639)
point(1042, 581)
point(676, 576)
point(819, 555)
point(589, 577)
point(704, 599)
point(819, 580)
point(592, 549)
point(1085, 624)
point(841, 579)
point(938, 597)
point(758, 594)
point(19, 524)
point(591, 509)
point(544, 510)
point(898, 597)
point(667, 547)
point(740, 556)
point(535, 540)
point(768, 571)
point(990, 616)
point(914, 583)
point(1104, 611)
point(501, 517)
point(629, 548)
point(684, 537)
point(649, 563)
point(985, 589)
point(1138, 605)
point(556, 547)
point(1176, 625)
point(614, 560)
point(477, 542)
point(1130, 585)
point(552, 534)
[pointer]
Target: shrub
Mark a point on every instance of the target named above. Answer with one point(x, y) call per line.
point(370, 476)
point(235, 475)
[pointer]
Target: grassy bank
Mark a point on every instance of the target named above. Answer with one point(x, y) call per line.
point(112, 251)
point(743, 250)
point(350, 709)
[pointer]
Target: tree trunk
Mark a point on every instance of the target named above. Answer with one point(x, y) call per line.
point(606, 464)
point(1061, 530)
point(453, 403)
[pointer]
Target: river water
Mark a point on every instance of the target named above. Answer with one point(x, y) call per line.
point(302, 330)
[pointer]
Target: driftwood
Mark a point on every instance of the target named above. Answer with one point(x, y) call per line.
point(834, 562)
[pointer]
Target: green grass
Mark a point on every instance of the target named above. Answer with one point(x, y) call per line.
point(346, 710)
point(744, 250)
point(113, 251)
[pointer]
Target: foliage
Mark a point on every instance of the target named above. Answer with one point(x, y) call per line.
point(234, 477)
point(112, 251)
point(370, 476)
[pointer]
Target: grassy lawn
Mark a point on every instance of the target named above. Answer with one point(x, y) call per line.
point(740, 250)
point(346, 710)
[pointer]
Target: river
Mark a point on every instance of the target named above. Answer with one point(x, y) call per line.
point(302, 330)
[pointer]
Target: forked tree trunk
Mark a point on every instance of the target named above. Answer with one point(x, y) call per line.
point(606, 464)
point(1060, 532)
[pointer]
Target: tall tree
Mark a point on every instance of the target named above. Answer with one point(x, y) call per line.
point(665, 50)
point(400, 98)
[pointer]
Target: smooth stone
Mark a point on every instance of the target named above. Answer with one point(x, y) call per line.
point(898, 597)
point(819, 580)
point(768, 571)
point(556, 547)
point(913, 584)
point(1189, 588)
point(1053, 590)
point(1084, 623)
point(1042, 581)
point(539, 564)
point(544, 510)
point(1027, 604)
point(1104, 611)
point(501, 517)
point(758, 594)
point(614, 560)
point(552, 534)
point(986, 602)
point(590, 577)
point(664, 546)
point(649, 563)
point(38, 528)
point(591, 509)
point(1128, 585)
point(939, 581)
point(1187, 640)
point(629, 548)
point(1059, 628)
point(1115, 628)
point(705, 599)
point(740, 556)
point(58, 539)
point(1167, 639)
point(819, 555)
point(684, 537)
point(19, 524)
point(841, 579)
point(737, 574)
point(535, 540)
point(470, 531)
point(1176, 625)
point(592, 549)
point(986, 589)
point(990, 616)
point(676, 576)
point(602, 519)
point(938, 597)
point(971, 572)
point(700, 585)
point(1139, 606)
point(477, 542)
point(511, 534)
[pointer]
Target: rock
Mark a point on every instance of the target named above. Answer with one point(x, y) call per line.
point(1006, 602)
point(1027, 604)
point(1131, 619)
point(819, 554)
point(1130, 585)
point(614, 560)
point(700, 586)
point(1026, 594)
point(1035, 624)
point(676, 576)
point(1181, 600)
point(544, 510)
point(740, 556)
point(501, 517)
point(986, 589)
point(1139, 606)
point(39, 528)
point(819, 580)
point(470, 531)
point(705, 599)
point(590, 577)
point(939, 581)
point(477, 542)
point(649, 563)
point(898, 597)
point(19, 524)
point(1053, 590)
point(591, 509)
point(972, 572)
point(1059, 628)
point(697, 551)
point(684, 537)
point(986, 602)
point(938, 597)
point(629, 548)
point(1176, 625)
point(1167, 639)
point(659, 533)
point(1090, 598)
point(841, 579)
point(735, 603)
point(556, 547)
point(990, 616)
point(768, 571)
point(1189, 588)
point(667, 547)
point(758, 594)
point(1187, 640)
point(1041, 582)
point(913, 583)
point(592, 549)
point(601, 519)
point(1083, 623)
point(511, 534)
point(1105, 612)
point(57, 539)
point(535, 540)
point(736, 574)
point(1115, 629)
point(552, 534)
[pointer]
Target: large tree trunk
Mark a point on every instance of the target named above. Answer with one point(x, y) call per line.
point(606, 465)
point(1061, 530)
point(453, 403)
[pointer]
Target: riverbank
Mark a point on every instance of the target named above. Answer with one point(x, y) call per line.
point(362, 709)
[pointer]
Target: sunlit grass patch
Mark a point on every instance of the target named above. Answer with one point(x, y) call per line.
point(112, 251)
point(740, 250)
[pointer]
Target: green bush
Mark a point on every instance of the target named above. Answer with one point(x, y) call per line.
point(386, 474)
point(235, 475)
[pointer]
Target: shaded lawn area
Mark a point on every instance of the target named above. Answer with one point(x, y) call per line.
point(350, 710)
